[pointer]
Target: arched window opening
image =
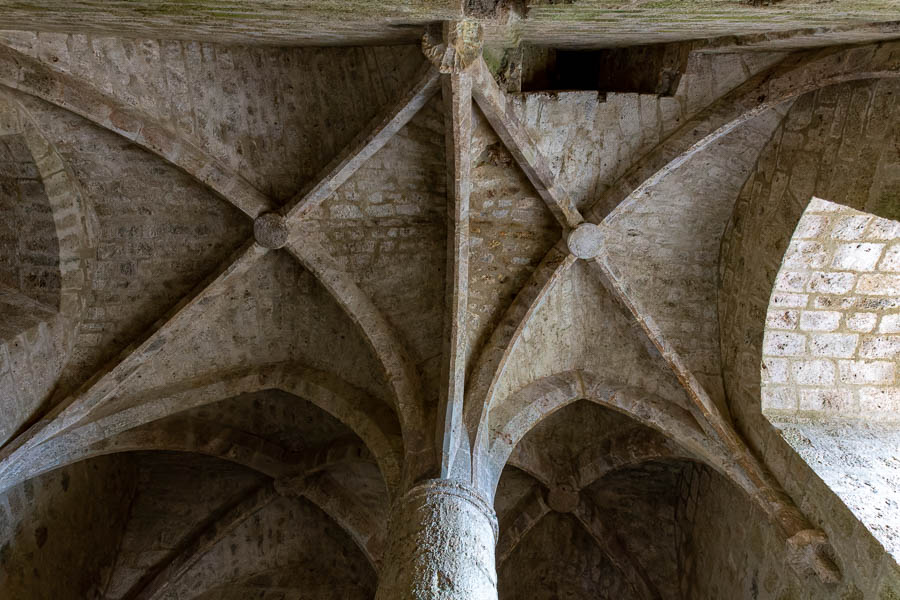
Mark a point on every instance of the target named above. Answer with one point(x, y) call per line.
point(832, 338)
point(830, 368)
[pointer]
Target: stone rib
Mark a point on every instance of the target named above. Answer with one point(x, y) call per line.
point(492, 359)
point(528, 513)
point(740, 464)
point(104, 384)
point(399, 369)
point(200, 541)
point(381, 129)
point(345, 508)
point(367, 417)
point(495, 106)
point(28, 75)
point(457, 94)
point(588, 516)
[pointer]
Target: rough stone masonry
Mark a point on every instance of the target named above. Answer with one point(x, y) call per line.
point(450, 300)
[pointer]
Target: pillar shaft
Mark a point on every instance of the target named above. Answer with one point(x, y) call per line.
point(442, 541)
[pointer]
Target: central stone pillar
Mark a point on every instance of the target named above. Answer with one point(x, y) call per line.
point(443, 535)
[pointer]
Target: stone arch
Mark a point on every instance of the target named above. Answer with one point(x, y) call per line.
point(296, 475)
point(547, 395)
point(364, 526)
point(46, 237)
point(368, 418)
point(399, 371)
point(793, 77)
point(332, 499)
point(627, 450)
point(67, 213)
point(571, 492)
point(226, 443)
point(185, 571)
point(803, 160)
point(839, 143)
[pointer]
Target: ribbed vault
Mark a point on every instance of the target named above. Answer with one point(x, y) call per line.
point(295, 283)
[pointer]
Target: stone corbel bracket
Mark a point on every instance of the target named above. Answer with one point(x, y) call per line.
point(453, 46)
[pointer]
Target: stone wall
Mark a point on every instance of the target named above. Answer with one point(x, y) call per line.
point(838, 143)
point(591, 140)
point(733, 552)
point(29, 250)
point(831, 343)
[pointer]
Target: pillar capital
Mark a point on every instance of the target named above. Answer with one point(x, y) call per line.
point(452, 488)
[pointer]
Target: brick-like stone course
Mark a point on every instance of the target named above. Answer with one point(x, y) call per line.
point(29, 250)
point(837, 143)
point(511, 229)
point(388, 229)
point(840, 257)
point(831, 145)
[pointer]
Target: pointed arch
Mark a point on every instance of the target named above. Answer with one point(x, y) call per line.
point(540, 399)
point(369, 418)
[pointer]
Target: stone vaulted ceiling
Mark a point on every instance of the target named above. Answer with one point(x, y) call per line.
point(253, 294)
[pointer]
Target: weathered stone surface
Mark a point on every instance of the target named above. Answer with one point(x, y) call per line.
point(562, 499)
point(836, 371)
point(585, 241)
point(291, 286)
point(816, 153)
point(441, 541)
point(270, 230)
point(49, 523)
point(578, 23)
